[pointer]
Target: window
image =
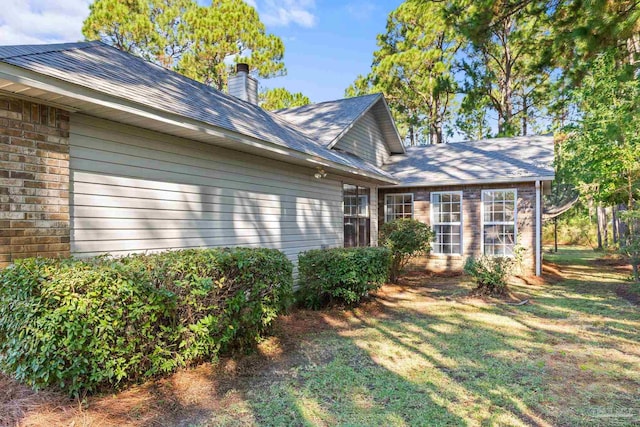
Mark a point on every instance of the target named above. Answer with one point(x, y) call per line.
point(446, 220)
point(398, 206)
point(356, 216)
point(499, 222)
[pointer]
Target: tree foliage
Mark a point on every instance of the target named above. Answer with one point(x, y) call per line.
point(200, 42)
point(602, 149)
point(279, 98)
point(508, 64)
point(413, 69)
point(505, 72)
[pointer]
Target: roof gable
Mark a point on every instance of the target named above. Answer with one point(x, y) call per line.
point(327, 122)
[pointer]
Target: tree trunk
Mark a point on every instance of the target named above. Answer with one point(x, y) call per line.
point(599, 224)
point(525, 113)
point(555, 234)
point(614, 224)
point(507, 104)
point(605, 228)
point(435, 133)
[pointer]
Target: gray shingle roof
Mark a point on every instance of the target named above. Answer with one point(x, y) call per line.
point(100, 67)
point(488, 160)
point(325, 121)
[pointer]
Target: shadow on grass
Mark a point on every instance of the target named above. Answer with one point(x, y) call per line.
point(419, 353)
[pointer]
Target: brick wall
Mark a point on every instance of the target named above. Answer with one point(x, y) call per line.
point(472, 222)
point(34, 180)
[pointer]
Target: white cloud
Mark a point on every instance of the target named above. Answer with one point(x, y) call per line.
point(42, 21)
point(282, 13)
point(57, 21)
point(361, 10)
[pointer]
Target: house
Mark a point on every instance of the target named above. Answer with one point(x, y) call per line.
point(101, 151)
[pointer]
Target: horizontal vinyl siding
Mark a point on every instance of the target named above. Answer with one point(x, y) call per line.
point(134, 190)
point(365, 141)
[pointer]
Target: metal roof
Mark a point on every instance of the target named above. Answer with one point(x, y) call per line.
point(326, 122)
point(105, 69)
point(483, 161)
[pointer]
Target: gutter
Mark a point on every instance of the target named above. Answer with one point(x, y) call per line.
point(538, 228)
point(472, 182)
point(62, 88)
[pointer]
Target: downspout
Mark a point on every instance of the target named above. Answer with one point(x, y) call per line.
point(538, 229)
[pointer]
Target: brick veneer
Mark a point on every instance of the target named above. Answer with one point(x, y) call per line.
point(34, 180)
point(472, 222)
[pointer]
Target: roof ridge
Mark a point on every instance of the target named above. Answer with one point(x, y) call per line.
point(282, 110)
point(484, 140)
point(57, 47)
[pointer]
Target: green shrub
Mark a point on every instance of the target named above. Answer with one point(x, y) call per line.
point(490, 273)
point(82, 324)
point(341, 275)
point(630, 244)
point(406, 238)
point(577, 229)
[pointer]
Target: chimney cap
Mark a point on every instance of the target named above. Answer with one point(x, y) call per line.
point(242, 67)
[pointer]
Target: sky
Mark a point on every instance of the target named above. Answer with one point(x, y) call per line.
point(328, 43)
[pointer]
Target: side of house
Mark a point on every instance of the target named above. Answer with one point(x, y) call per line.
point(469, 220)
point(479, 197)
point(104, 153)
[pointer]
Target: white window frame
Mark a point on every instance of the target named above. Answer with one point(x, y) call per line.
point(515, 218)
point(433, 222)
point(359, 198)
point(386, 204)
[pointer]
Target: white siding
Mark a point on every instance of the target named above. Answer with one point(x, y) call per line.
point(135, 190)
point(365, 140)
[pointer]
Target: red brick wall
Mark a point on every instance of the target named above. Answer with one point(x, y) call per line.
point(472, 224)
point(34, 180)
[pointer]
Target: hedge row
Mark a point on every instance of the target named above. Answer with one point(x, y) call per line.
point(341, 275)
point(82, 324)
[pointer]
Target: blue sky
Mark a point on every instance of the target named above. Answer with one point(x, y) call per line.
point(325, 56)
point(328, 42)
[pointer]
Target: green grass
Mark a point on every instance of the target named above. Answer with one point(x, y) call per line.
point(426, 354)
point(569, 358)
point(572, 255)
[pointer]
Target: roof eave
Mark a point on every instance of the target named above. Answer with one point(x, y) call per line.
point(452, 182)
point(82, 94)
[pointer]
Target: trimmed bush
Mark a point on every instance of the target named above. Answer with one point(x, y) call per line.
point(344, 275)
point(82, 324)
point(406, 238)
point(490, 273)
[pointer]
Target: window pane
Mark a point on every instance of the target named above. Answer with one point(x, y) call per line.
point(447, 217)
point(398, 206)
point(499, 239)
point(356, 213)
point(363, 231)
point(349, 232)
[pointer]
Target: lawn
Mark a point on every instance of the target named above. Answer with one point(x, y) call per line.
point(419, 353)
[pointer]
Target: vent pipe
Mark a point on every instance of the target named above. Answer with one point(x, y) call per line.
point(242, 85)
